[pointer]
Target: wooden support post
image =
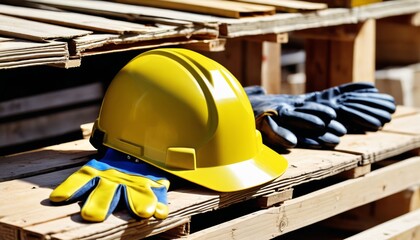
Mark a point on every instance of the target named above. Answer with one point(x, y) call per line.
point(271, 69)
point(344, 54)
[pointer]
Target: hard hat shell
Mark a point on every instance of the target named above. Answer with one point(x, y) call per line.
point(186, 114)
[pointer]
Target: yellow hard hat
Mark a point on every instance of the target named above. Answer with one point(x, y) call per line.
point(187, 115)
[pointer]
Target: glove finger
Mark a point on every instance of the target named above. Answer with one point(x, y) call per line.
point(254, 90)
point(357, 119)
point(336, 128)
point(373, 95)
point(381, 115)
point(356, 86)
point(374, 101)
point(325, 141)
point(275, 135)
point(140, 200)
point(75, 186)
point(162, 209)
point(310, 143)
point(299, 120)
point(325, 113)
point(329, 140)
point(102, 201)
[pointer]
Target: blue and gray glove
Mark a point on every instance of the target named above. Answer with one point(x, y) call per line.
point(286, 121)
point(103, 183)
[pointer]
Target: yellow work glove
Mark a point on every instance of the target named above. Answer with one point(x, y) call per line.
point(104, 183)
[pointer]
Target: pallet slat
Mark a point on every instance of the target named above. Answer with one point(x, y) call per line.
point(77, 20)
point(289, 5)
point(318, 205)
point(214, 7)
point(36, 31)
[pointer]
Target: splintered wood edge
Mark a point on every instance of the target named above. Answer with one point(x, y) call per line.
point(86, 129)
point(69, 63)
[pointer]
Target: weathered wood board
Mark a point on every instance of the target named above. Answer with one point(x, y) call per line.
point(234, 9)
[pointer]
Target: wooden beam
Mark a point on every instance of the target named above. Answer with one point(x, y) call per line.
point(404, 227)
point(46, 126)
point(321, 204)
point(60, 98)
point(271, 67)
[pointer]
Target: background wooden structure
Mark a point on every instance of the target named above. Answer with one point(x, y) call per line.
point(57, 58)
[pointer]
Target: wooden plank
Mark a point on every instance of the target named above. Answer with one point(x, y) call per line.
point(376, 146)
point(321, 204)
point(214, 7)
point(77, 20)
point(406, 125)
point(109, 48)
point(289, 5)
point(406, 226)
point(46, 126)
point(133, 12)
point(36, 31)
point(60, 98)
point(45, 160)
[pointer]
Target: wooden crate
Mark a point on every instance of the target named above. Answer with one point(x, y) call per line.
point(265, 211)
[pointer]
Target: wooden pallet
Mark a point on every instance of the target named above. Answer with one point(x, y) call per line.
point(267, 211)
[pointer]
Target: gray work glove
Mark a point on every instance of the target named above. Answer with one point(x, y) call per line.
point(286, 121)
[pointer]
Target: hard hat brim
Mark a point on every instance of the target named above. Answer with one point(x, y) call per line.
point(263, 168)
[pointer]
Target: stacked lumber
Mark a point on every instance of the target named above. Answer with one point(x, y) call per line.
point(22, 53)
